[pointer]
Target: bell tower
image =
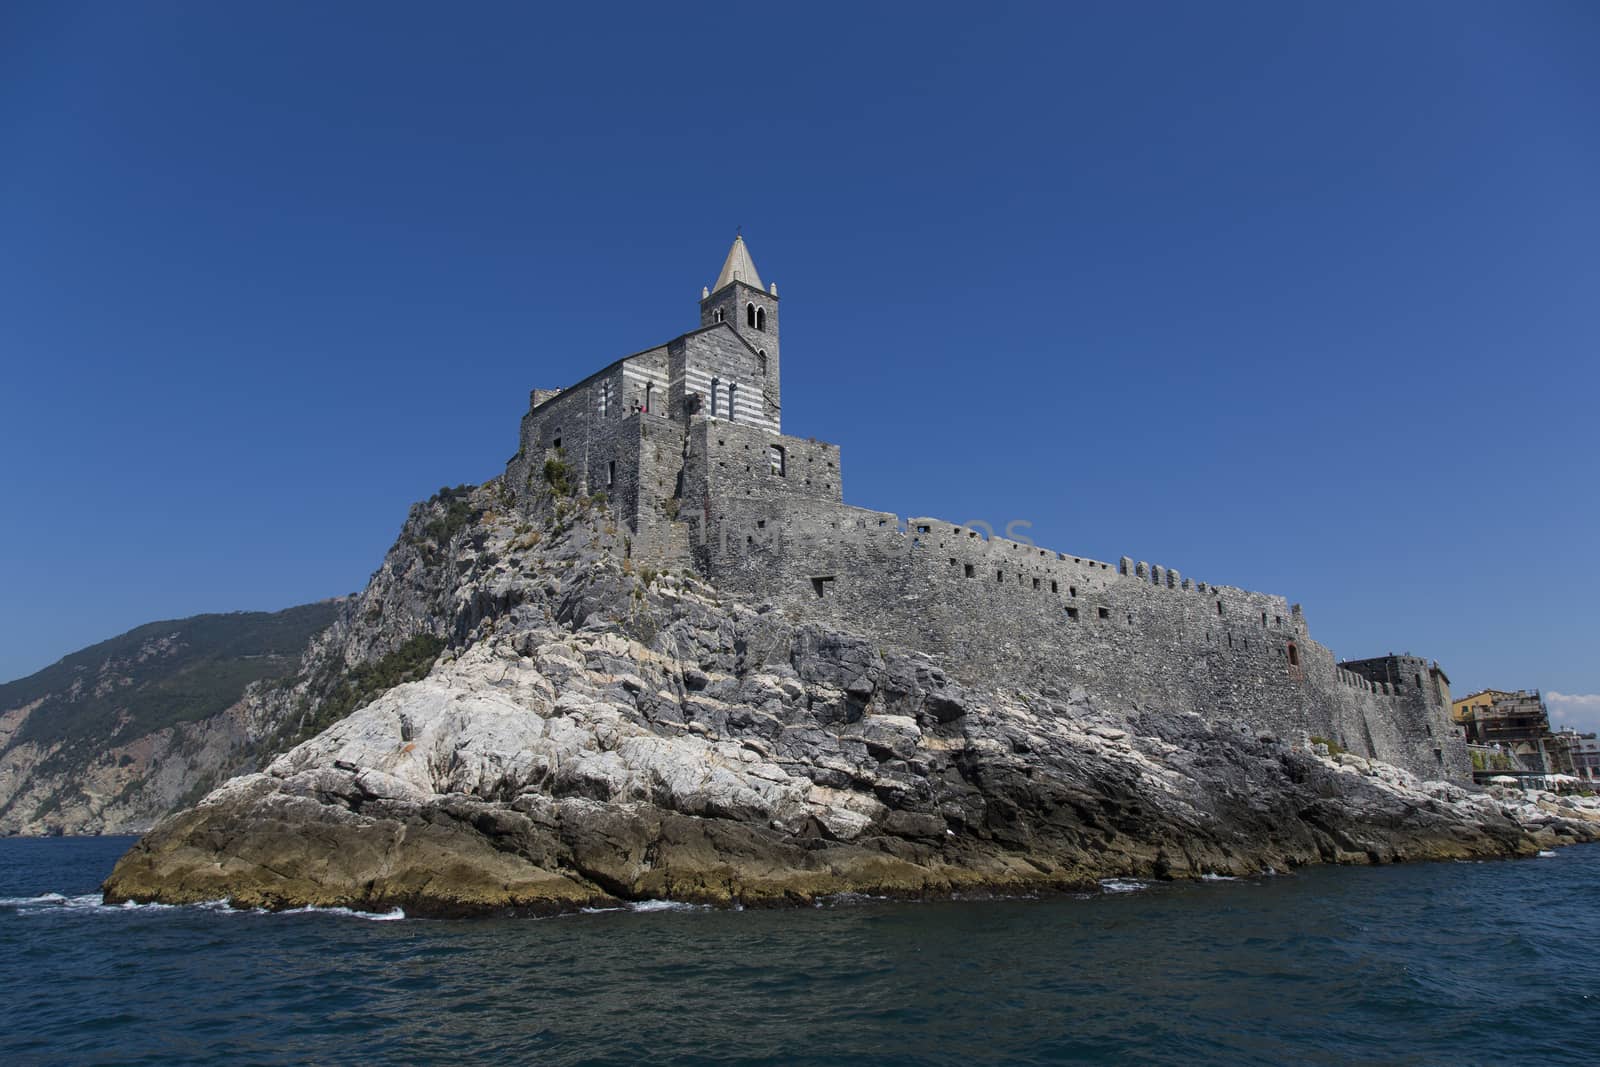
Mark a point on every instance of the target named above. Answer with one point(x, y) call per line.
point(739, 300)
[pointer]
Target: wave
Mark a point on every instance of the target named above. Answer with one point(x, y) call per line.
point(666, 905)
point(56, 903)
point(648, 906)
point(392, 915)
point(1122, 885)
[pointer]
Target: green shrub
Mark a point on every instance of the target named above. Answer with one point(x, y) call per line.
point(1334, 748)
point(557, 475)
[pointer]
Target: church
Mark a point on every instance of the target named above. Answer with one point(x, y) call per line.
point(684, 442)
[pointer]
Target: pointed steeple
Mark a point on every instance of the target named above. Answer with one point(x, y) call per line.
point(738, 267)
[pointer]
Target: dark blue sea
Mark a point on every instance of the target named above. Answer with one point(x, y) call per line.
point(1452, 963)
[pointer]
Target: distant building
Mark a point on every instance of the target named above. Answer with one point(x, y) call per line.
point(1515, 724)
point(1584, 751)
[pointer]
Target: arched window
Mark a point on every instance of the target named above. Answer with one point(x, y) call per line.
point(716, 385)
point(761, 354)
point(733, 391)
point(716, 316)
point(1294, 655)
point(749, 314)
point(761, 318)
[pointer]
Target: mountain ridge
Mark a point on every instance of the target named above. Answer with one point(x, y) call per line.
point(92, 742)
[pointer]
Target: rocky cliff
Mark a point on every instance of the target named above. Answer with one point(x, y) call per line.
point(114, 736)
point(593, 731)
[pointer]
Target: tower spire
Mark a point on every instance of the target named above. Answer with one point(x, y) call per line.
point(738, 267)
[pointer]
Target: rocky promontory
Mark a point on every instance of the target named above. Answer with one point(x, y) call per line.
point(596, 731)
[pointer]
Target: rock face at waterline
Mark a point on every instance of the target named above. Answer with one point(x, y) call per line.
point(599, 732)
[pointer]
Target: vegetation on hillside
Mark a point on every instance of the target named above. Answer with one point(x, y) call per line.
point(350, 689)
point(455, 512)
point(161, 674)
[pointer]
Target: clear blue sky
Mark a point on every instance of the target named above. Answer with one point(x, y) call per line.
point(1297, 297)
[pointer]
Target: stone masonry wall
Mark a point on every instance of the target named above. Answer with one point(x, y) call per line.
point(1001, 609)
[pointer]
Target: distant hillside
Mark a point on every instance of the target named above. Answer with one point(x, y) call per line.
point(97, 730)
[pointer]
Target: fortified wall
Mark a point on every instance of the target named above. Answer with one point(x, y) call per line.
point(685, 441)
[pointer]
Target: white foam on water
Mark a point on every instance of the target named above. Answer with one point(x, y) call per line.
point(56, 903)
point(22, 902)
point(1122, 885)
point(1209, 877)
point(392, 915)
point(666, 905)
point(1546, 854)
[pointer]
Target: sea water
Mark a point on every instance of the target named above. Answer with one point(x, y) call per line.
point(1425, 964)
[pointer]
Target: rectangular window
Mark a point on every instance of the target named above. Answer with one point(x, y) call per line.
point(777, 462)
point(1072, 613)
point(1036, 583)
point(969, 570)
point(823, 586)
point(1105, 613)
point(611, 473)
